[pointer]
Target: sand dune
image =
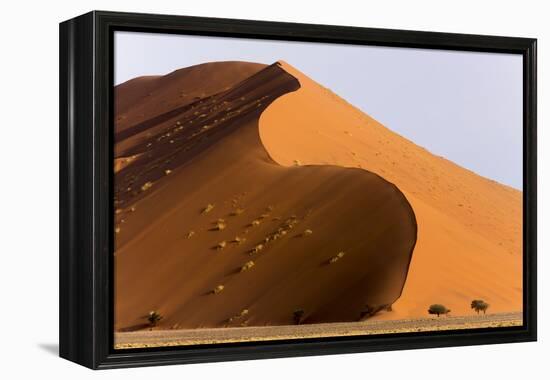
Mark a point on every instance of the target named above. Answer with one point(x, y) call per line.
point(469, 227)
point(277, 155)
point(211, 232)
point(145, 98)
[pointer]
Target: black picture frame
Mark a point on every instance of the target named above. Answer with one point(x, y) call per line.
point(86, 156)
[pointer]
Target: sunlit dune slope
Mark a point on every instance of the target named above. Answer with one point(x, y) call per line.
point(469, 227)
point(211, 232)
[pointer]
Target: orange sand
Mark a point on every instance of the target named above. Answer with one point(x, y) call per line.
point(469, 227)
point(209, 152)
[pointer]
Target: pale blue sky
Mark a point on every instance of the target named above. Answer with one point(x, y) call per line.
point(464, 106)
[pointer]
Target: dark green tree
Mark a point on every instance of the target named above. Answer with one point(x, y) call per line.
point(479, 305)
point(438, 310)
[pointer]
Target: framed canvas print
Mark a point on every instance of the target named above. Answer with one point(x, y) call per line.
point(237, 189)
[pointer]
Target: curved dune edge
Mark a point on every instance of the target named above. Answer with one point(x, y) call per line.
point(277, 138)
point(159, 266)
point(469, 227)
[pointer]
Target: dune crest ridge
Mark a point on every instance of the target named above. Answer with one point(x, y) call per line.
point(469, 227)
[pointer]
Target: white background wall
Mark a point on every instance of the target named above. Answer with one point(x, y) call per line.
point(29, 187)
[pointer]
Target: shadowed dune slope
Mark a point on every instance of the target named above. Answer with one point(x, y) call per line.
point(144, 98)
point(334, 242)
point(469, 227)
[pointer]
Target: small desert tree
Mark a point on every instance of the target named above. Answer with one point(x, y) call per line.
point(153, 318)
point(438, 310)
point(479, 305)
point(298, 315)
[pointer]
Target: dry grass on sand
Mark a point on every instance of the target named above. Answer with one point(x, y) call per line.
point(165, 338)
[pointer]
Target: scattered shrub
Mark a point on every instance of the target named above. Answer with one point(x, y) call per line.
point(154, 318)
point(221, 245)
point(190, 234)
point(337, 257)
point(438, 309)
point(248, 265)
point(257, 248)
point(220, 226)
point(307, 232)
point(242, 313)
point(146, 186)
point(239, 240)
point(218, 289)
point(479, 305)
point(208, 208)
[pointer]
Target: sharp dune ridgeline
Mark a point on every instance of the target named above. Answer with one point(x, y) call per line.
point(250, 195)
point(212, 232)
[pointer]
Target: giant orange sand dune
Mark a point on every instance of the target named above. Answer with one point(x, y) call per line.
point(277, 155)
